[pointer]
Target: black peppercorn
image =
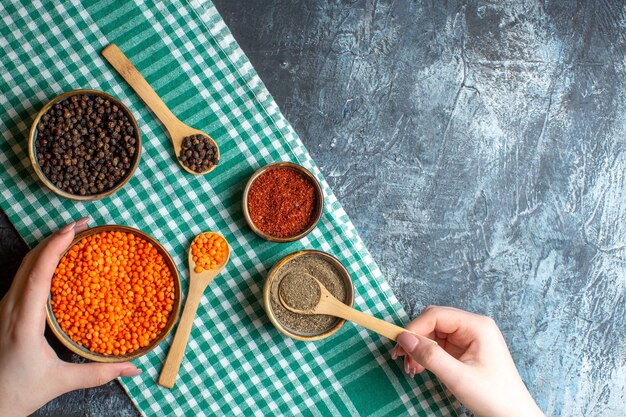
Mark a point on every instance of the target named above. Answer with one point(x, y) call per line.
point(198, 153)
point(77, 139)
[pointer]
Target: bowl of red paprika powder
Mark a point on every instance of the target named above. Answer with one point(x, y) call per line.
point(282, 202)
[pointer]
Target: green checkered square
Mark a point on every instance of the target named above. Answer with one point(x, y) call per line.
point(236, 362)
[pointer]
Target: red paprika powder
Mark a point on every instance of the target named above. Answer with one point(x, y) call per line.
point(281, 202)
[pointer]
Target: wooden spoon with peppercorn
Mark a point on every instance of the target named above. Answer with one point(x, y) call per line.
point(208, 255)
point(303, 294)
point(196, 151)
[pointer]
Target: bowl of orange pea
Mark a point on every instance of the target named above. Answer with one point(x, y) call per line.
point(115, 294)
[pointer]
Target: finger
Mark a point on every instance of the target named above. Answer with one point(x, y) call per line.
point(399, 352)
point(37, 276)
point(89, 375)
point(23, 275)
point(457, 326)
point(395, 352)
point(428, 307)
point(410, 366)
point(81, 225)
point(406, 365)
point(433, 358)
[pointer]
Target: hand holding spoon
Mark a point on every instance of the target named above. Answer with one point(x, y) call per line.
point(327, 304)
point(176, 129)
point(197, 284)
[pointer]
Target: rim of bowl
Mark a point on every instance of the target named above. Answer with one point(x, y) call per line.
point(271, 276)
point(319, 207)
point(32, 139)
point(98, 357)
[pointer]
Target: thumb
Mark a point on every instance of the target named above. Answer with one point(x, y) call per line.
point(89, 375)
point(432, 357)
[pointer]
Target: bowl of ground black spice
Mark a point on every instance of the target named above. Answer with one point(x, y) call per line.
point(282, 202)
point(325, 268)
point(84, 145)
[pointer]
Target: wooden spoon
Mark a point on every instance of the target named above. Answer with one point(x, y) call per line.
point(176, 129)
point(197, 284)
point(328, 304)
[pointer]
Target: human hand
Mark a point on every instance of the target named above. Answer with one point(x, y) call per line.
point(31, 374)
point(472, 360)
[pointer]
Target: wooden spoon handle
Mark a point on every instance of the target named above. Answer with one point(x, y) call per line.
point(177, 350)
point(389, 330)
point(127, 70)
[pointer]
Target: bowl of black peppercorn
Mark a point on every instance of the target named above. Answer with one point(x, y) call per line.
point(84, 145)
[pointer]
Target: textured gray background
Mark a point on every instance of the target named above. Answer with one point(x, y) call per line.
point(479, 148)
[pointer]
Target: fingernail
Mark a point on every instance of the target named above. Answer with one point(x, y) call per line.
point(128, 372)
point(408, 341)
point(82, 221)
point(412, 373)
point(394, 353)
point(406, 367)
point(67, 227)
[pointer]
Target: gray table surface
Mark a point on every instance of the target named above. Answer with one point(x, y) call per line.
point(479, 148)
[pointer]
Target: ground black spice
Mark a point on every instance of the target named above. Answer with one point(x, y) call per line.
point(299, 290)
point(324, 272)
point(198, 153)
point(85, 145)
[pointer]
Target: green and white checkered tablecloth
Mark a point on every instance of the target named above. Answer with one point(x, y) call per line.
point(236, 362)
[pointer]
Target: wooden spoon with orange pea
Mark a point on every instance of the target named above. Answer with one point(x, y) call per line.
point(208, 255)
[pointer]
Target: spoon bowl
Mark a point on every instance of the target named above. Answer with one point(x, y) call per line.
point(329, 305)
point(198, 282)
point(176, 129)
